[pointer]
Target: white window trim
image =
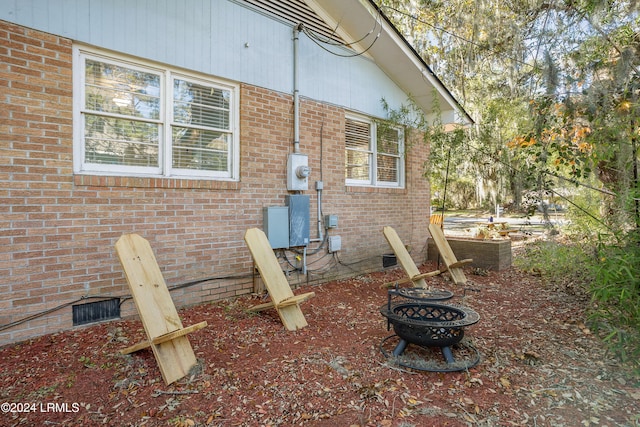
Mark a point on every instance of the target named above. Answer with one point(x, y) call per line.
point(373, 167)
point(168, 74)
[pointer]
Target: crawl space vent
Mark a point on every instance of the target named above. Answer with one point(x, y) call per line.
point(389, 260)
point(96, 311)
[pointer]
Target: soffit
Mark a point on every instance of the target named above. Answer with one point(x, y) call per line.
point(363, 27)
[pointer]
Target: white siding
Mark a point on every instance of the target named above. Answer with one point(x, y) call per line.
point(217, 37)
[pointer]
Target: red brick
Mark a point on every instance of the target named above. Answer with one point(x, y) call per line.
point(63, 226)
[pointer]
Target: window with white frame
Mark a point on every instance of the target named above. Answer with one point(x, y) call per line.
point(142, 119)
point(374, 153)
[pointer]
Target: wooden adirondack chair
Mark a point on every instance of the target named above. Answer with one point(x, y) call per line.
point(452, 264)
point(405, 259)
point(282, 298)
point(165, 334)
point(436, 218)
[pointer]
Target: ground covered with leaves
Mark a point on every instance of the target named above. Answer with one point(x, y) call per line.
point(540, 366)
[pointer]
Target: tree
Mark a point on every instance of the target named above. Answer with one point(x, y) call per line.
point(544, 81)
point(554, 87)
point(479, 50)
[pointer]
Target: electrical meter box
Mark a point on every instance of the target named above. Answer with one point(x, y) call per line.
point(298, 172)
point(275, 221)
point(298, 205)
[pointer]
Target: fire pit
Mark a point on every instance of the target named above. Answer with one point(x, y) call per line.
point(420, 294)
point(424, 321)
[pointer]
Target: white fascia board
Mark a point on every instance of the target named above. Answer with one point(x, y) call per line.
point(391, 53)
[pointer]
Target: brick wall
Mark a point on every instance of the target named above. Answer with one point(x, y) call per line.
point(58, 230)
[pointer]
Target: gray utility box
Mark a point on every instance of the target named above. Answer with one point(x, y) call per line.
point(335, 243)
point(298, 219)
point(275, 220)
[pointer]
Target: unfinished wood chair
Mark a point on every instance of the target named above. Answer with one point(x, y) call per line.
point(452, 264)
point(165, 334)
point(282, 298)
point(437, 219)
point(405, 259)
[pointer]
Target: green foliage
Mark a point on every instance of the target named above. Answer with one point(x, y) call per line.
point(554, 88)
point(583, 215)
point(616, 292)
point(408, 116)
point(86, 362)
point(447, 147)
point(606, 272)
point(547, 258)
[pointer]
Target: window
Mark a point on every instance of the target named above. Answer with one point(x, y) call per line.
point(139, 119)
point(374, 153)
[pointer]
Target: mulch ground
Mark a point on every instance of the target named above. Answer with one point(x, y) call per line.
point(540, 366)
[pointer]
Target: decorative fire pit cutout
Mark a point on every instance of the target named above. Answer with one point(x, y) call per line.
point(422, 321)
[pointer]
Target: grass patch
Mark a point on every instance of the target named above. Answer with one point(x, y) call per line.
point(616, 293)
point(561, 265)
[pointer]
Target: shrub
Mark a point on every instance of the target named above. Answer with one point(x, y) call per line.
point(616, 293)
point(546, 258)
point(605, 270)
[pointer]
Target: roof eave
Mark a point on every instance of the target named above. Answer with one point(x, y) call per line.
point(393, 54)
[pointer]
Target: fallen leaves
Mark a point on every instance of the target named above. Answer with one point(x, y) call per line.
point(505, 383)
point(540, 366)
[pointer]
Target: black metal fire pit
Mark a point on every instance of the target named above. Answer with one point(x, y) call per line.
point(429, 324)
point(420, 294)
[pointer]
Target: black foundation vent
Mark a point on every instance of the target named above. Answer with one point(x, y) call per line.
point(389, 260)
point(96, 311)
